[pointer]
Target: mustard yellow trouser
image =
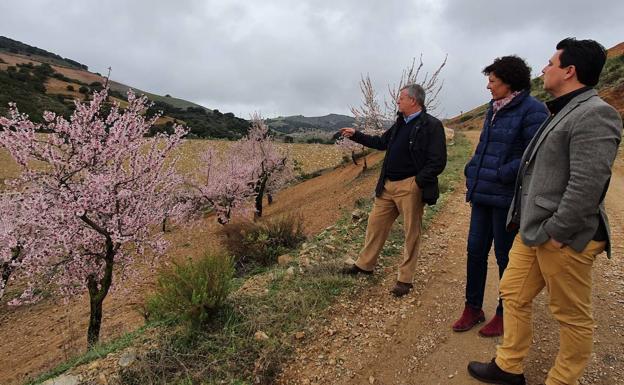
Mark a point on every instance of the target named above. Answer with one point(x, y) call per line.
point(399, 197)
point(567, 276)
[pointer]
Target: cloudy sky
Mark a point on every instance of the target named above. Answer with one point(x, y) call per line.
point(305, 57)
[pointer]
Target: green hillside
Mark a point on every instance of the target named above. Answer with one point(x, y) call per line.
point(16, 47)
point(24, 85)
point(610, 87)
point(28, 85)
point(174, 102)
point(300, 123)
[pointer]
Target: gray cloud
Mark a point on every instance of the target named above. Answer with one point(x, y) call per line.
point(282, 57)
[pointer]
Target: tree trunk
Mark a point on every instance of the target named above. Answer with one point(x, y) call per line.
point(365, 164)
point(260, 188)
point(353, 158)
point(269, 198)
point(98, 289)
point(164, 225)
point(95, 320)
point(6, 269)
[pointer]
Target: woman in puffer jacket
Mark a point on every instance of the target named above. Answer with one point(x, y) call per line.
point(512, 119)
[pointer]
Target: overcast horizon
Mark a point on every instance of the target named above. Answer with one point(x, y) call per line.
point(307, 57)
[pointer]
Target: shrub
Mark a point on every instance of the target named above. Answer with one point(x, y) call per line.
point(465, 117)
point(83, 90)
point(192, 292)
point(70, 87)
point(259, 244)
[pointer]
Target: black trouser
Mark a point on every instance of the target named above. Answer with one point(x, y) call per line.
point(487, 224)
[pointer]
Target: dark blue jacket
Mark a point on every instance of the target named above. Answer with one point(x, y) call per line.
point(427, 147)
point(492, 171)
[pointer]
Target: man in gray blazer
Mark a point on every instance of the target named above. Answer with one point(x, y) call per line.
point(558, 207)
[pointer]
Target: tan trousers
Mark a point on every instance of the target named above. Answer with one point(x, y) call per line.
point(567, 276)
point(401, 197)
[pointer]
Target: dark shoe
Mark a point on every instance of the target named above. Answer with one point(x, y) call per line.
point(492, 374)
point(401, 288)
point(354, 270)
point(494, 328)
point(469, 318)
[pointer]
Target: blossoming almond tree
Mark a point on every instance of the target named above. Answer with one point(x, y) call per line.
point(271, 168)
point(369, 117)
point(246, 170)
point(100, 185)
point(432, 84)
point(22, 236)
point(224, 185)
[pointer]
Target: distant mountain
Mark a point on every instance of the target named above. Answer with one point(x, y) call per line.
point(300, 123)
point(610, 88)
point(39, 80)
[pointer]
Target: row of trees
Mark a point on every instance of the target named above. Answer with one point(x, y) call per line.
point(87, 205)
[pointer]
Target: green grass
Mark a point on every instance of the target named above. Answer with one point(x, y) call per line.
point(458, 155)
point(612, 73)
point(97, 352)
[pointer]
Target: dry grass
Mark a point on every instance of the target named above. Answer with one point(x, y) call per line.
point(311, 157)
point(162, 119)
point(59, 87)
point(80, 75)
point(8, 167)
point(12, 60)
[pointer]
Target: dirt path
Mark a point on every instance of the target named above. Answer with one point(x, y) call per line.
point(36, 338)
point(377, 339)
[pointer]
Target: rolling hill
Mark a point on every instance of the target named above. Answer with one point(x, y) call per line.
point(39, 80)
point(610, 88)
point(298, 123)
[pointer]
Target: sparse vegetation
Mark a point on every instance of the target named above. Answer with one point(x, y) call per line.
point(25, 85)
point(282, 305)
point(613, 72)
point(537, 89)
point(228, 351)
point(17, 47)
point(192, 292)
point(458, 156)
point(259, 244)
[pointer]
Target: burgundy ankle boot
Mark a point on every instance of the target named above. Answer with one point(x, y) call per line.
point(469, 318)
point(494, 328)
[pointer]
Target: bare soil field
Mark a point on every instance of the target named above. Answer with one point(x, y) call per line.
point(36, 338)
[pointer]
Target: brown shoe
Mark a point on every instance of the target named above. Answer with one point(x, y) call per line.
point(354, 270)
point(401, 288)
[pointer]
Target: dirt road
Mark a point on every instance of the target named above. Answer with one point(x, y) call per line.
point(377, 339)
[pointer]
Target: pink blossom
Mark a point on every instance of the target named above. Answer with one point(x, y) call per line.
point(91, 189)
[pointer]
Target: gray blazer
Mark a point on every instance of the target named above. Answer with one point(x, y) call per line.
point(565, 172)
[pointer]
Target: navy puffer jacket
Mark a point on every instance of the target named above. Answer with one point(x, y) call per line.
point(492, 171)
